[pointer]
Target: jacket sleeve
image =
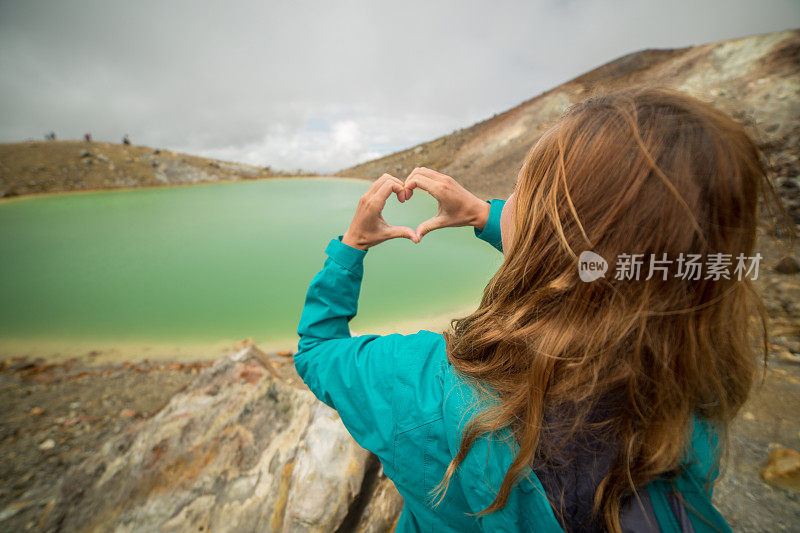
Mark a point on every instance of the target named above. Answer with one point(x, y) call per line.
point(353, 375)
point(491, 231)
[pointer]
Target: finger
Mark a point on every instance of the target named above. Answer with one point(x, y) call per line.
point(429, 225)
point(385, 191)
point(401, 231)
point(423, 182)
point(433, 174)
point(380, 181)
point(373, 191)
point(401, 196)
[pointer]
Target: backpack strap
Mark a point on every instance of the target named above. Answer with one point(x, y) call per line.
point(657, 490)
point(689, 487)
point(704, 516)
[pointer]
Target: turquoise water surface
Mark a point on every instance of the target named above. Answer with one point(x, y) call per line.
point(211, 262)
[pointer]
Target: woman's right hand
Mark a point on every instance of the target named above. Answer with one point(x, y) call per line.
point(457, 206)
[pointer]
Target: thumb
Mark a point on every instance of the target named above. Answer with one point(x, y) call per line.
point(428, 226)
point(400, 231)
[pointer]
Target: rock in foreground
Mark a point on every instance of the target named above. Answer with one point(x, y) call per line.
point(237, 450)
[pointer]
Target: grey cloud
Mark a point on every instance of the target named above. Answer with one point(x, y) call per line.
point(318, 85)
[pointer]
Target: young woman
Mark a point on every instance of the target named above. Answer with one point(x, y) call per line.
point(563, 403)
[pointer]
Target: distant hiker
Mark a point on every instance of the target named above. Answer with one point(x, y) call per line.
point(125, 139)
point(87, 137)
point(50, 136)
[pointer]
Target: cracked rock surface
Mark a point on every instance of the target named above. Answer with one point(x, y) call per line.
point(236, 450)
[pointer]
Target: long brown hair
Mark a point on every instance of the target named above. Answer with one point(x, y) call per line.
point(642, 170)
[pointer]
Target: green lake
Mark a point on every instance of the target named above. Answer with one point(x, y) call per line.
point(211, 263)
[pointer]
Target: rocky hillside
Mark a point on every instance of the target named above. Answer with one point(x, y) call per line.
point(50, 166)
point(756, 79)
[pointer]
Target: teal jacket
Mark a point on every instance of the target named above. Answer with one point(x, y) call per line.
point(400, 399)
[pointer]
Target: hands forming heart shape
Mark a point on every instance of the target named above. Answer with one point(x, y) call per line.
point(457, 207)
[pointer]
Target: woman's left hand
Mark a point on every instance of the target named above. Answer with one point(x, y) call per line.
point(368, 227)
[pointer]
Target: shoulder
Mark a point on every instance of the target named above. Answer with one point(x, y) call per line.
point(423, 351)
point(418, 350)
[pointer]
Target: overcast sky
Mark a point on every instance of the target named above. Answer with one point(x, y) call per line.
point(319, 85)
